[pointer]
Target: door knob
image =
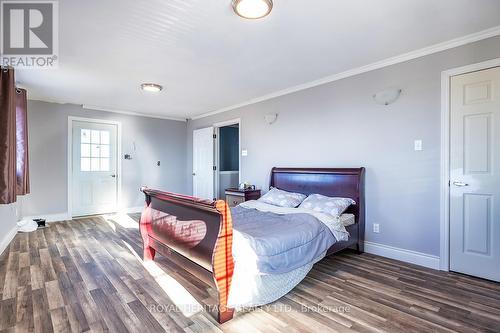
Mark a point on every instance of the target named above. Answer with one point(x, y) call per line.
point(460, 184)
point(194, 174)
point(114, 176)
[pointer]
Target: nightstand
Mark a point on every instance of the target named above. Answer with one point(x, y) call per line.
point(236, 196)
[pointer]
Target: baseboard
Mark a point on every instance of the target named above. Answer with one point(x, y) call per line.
point(408, 256)
point(50, 217)
point(132, 210)
point(67, 217)
point(4, 243)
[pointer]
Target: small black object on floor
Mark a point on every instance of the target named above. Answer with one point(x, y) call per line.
point(40, 222)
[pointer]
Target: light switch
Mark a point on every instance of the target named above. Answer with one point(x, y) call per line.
point(418, 145)
point(244, 152)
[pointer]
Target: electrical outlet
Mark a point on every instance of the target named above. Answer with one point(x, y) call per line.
point(418, 145)
point(376, 228)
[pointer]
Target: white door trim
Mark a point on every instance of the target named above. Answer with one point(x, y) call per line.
point(216, 150)
point(444, 262)
point(70, 158)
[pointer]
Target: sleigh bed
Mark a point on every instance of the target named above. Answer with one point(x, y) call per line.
point(199, 233)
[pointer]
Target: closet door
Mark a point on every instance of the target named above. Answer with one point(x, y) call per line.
point(475, 174)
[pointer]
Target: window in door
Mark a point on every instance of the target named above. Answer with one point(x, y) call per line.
point(95, 150)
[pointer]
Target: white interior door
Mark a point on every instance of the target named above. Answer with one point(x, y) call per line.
point(475, 174)
point(94, 168)
point(203, 163)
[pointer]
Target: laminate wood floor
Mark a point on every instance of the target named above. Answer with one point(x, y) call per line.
point(86, 275)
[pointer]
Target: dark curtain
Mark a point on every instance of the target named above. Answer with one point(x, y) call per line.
point(7, 136)
point(23, 180)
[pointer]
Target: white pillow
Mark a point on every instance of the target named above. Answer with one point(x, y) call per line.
point(282, 198)
point(347, 219)
point(328, 205)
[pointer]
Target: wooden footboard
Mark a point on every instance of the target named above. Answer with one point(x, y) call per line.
point(199, 230)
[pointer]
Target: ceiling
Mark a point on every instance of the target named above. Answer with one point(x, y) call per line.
point(208, 59)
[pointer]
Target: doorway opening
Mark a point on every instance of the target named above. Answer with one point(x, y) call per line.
point(216, 159)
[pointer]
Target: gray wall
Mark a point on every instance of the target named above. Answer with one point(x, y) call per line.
point(227, 180)
point(155, 139)
point(339, 125)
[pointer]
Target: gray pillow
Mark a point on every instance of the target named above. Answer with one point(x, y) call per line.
point(282, 198)
point(329, 205)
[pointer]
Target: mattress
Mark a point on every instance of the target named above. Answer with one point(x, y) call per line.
point(269, 243)
point(274, 249)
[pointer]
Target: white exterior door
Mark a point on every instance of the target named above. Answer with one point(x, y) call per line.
point(203, 163)
point(94, 168)
point(475, 174)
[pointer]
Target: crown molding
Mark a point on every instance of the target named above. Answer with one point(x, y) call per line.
point(131, 113)
point(45, 100)
point(98, 108)
point(467, 39)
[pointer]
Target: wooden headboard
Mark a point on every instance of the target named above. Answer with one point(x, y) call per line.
point(332, 182)
point(347, 183)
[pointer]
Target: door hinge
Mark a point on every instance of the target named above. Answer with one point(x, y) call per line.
point(215, 136)
point(215, 168)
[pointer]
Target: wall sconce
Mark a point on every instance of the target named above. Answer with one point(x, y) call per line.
point(388, 96)
point(271, 118)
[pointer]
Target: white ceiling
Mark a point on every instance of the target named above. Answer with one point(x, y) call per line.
point(207, 58)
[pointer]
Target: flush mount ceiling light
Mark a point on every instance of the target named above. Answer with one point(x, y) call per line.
point(151, 87)
point(252, 9)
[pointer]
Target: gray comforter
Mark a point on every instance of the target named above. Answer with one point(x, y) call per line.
point(275, 243)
